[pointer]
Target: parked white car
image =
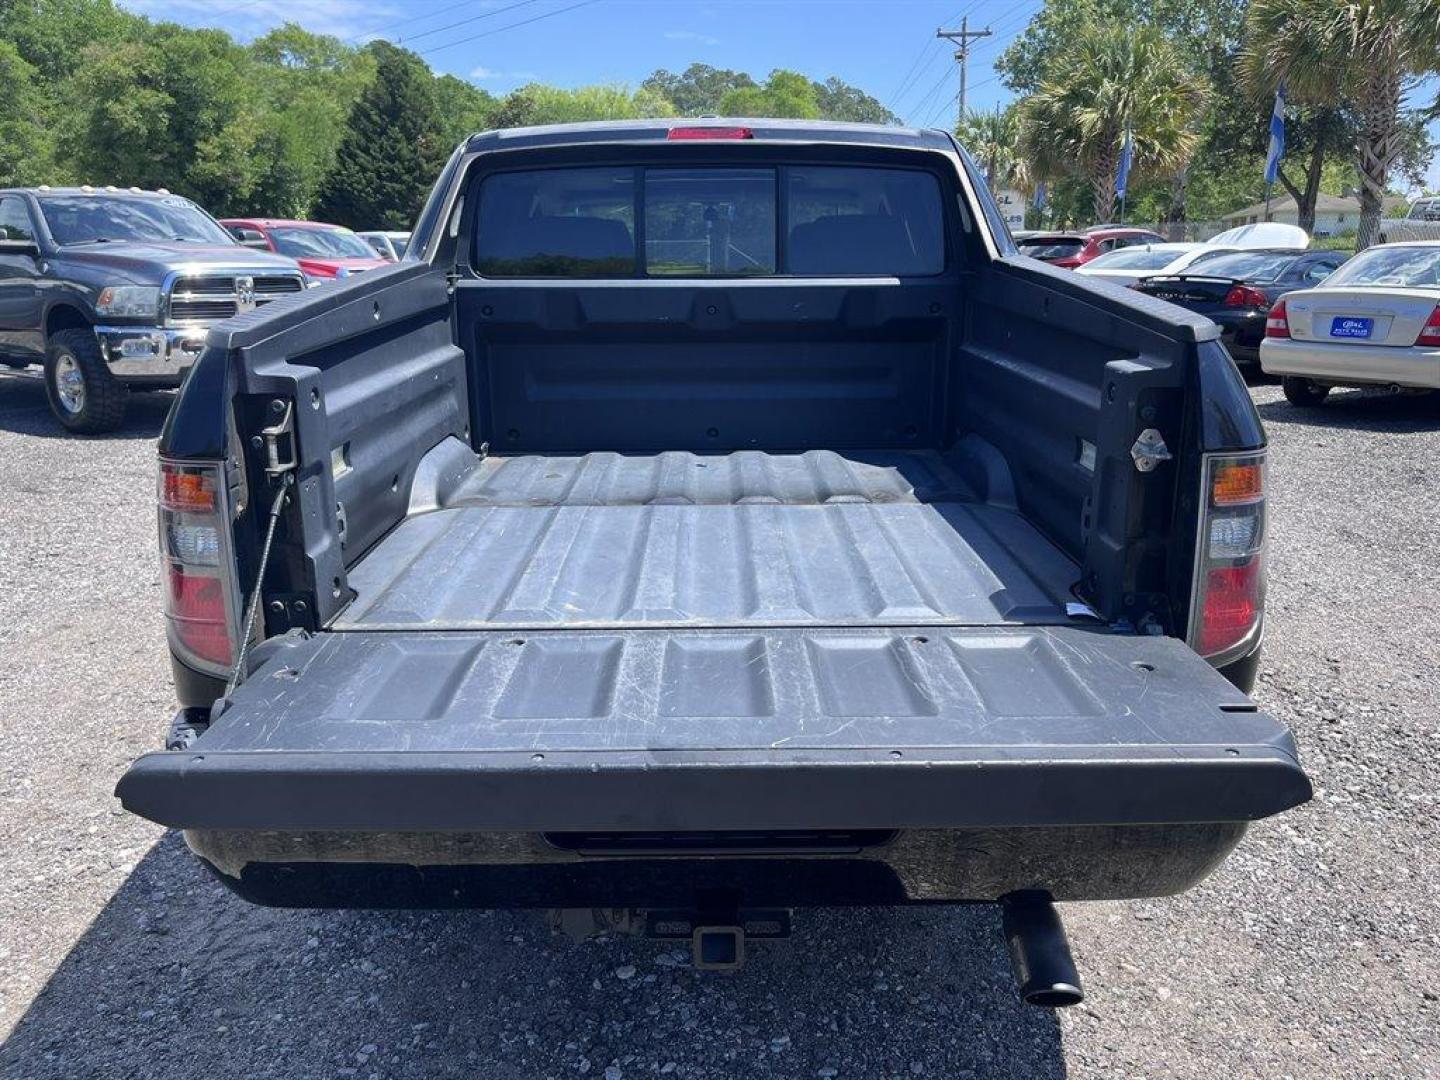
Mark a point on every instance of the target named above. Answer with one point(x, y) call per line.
point(1375, 321)
point(388, 245)
point(1126, 266)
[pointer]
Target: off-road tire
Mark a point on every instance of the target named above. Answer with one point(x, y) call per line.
point(105, 397)
point(1304, 393)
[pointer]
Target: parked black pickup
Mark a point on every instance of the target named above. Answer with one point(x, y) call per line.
point(713, 518)
point(111, 289)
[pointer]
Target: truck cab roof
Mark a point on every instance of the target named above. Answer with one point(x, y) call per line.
point(90, 189)
point(717, 128)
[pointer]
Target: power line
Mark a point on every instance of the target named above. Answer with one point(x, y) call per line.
point(473, 18)
point(508, 26)
point(924, 103)
point(929, 46)
point(374, 31)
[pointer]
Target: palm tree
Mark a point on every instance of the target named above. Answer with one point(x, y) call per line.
point(1357, 52)
point(993, 140)
point(1107, 81)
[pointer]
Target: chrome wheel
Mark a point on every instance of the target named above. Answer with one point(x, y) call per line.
point(69, 384)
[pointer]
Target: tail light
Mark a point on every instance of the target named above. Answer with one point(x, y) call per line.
point(1430, 335)
point(1244, 296)
point(1277, 323)
point(1228, 597)
point(201, 608)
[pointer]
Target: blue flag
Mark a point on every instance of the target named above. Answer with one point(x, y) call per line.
point(1127, 155)
point(1040, 195)
point(1277, 137)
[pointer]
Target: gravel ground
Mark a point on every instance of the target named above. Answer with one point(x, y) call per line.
point(1314, 952)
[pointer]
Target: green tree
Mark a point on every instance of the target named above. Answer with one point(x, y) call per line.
point(1360, 52)
point(464, 109)
point(25, 145)
point(1208, 33)
point(52, 34)
point(704, 90)
point(178, 109)
point(392, 147)
point(1107, 82)
point(537, 103)
point(308, 83)
point(698, 90)
point(992, 137)
point(840, 101)
point(785, 94)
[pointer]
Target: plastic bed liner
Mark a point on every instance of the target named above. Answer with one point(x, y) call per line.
point(680, 539)
point(781, 728)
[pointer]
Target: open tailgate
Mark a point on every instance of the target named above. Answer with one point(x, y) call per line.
point(785, 728)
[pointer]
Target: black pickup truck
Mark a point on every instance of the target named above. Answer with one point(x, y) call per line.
point(112, 288)
point(711, 521)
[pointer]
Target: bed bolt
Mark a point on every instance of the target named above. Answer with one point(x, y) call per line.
point(276, 405)
point(277, 607)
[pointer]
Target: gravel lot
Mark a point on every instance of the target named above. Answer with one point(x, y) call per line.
point(1314, 952)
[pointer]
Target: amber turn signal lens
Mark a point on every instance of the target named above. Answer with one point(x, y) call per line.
point(186, 491)
point(1238, 484)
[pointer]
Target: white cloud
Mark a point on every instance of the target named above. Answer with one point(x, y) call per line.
point(350, 20)
point(691, 35)
point(484, 74)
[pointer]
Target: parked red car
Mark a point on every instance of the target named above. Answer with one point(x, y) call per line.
point(323, 251)
point(1072, 249)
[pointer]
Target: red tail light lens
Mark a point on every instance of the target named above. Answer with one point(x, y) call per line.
point(1232, 606)
point(710, 133)
point(1430, 336)
point(1244, 296)
point(197, 615)
point(1277, 323)
point(1228, 598)
point(200, 608)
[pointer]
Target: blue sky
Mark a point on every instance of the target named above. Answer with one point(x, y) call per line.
point(886, 47)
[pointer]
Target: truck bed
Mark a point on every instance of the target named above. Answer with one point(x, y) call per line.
point(744, 539)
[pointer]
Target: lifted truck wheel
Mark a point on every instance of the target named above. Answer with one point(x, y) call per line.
point(1304, 392)
point(83, 395)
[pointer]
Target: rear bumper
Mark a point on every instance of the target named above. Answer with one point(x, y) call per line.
point(1241, 335)
point(529, 870)
point(1018, 786)
point(1352, 365)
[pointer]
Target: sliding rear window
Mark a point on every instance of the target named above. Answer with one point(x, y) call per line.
point(557, 223)
point(808, 221)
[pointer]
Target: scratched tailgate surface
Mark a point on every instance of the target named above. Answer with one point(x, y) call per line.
point(788, 687)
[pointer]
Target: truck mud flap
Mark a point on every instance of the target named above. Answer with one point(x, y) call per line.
point(708, 729)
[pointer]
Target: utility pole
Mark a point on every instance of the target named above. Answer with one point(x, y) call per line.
point(961, 38)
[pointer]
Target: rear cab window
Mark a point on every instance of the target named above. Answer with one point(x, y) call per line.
point(730, 221)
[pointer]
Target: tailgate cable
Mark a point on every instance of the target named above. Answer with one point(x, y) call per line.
point(283, 472)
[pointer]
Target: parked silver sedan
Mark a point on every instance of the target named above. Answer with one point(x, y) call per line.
point(1375, 321)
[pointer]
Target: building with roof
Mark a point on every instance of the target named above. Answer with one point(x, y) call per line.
point(1333, 213)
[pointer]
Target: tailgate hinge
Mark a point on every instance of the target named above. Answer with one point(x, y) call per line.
point(280, 458)
point(1149, 450)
